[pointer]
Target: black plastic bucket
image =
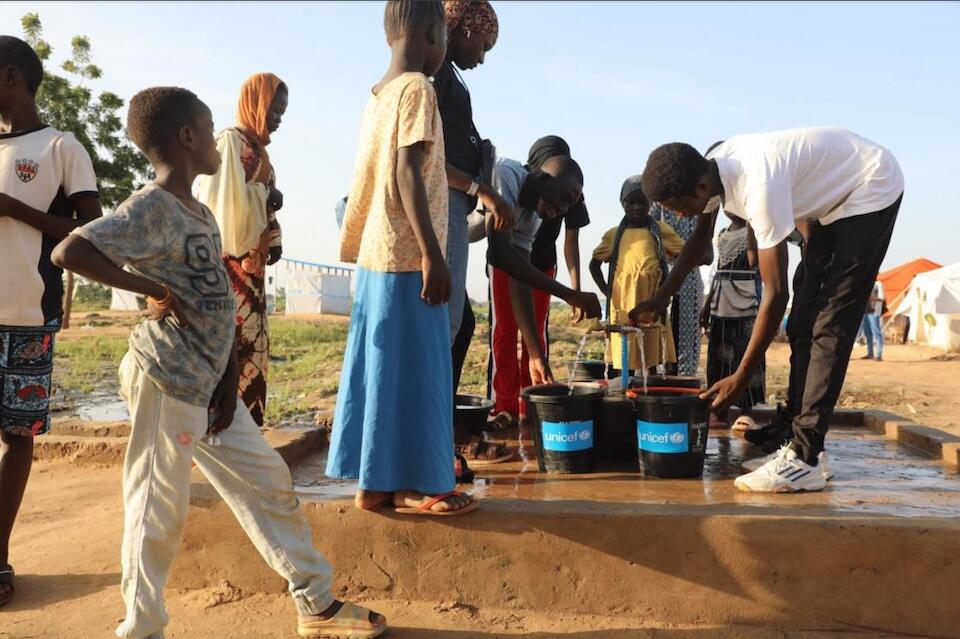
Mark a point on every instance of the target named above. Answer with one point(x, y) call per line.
point(672, 429)
point(615, 436)
point(589, 370)
point(668, 381)
point(562, 420)
point(470, 414)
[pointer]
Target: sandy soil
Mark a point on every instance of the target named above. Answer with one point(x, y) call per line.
point(65, 548)
point(919, 383)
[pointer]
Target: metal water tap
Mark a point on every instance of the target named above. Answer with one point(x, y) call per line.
point(621, 328)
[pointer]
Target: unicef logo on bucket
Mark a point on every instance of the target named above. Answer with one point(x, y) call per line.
point(567, 437)
point(662, 438)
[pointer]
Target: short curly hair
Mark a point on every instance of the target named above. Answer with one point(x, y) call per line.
point(16, 52)
point(405, 16)
point(673, 171)
point(157, 114)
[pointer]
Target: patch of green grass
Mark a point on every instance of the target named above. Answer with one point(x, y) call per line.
point(306, 359)
point(87, 364)
point(305, 362)
point(91, 297)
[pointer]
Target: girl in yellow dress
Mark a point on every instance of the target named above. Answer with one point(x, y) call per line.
point(638, 251)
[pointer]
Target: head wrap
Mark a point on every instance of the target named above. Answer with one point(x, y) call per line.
point(630, 186)
point(545, 148)
point(476, 16)
point(256, 96)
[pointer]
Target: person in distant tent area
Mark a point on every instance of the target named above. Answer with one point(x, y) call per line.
point(872, 326)
point(847, 192)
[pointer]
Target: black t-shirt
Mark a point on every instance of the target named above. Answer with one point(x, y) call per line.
point(543, 255)
point(460, 136)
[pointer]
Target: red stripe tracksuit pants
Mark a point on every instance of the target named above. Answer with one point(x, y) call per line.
point(508, 370)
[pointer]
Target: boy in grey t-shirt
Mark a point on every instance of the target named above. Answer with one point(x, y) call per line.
point(180, 381)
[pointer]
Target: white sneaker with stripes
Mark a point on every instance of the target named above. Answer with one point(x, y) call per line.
point(785, 473)
point(823, 463)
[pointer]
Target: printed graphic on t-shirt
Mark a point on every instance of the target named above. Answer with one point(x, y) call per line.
point(26, 169)
point(202, 256)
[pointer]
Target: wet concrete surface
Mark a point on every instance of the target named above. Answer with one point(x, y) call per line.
point(873, 476)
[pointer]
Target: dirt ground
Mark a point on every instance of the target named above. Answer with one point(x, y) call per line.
point(65, 546)
point(66, 551)
point(916, 382)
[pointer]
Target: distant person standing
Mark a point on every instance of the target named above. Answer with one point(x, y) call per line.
point(244, 198)
point(849, 191)
point(872, 327)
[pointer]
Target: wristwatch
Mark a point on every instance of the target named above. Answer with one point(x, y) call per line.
point(474, 187)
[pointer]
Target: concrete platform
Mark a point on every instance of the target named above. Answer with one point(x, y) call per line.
point(877, 550)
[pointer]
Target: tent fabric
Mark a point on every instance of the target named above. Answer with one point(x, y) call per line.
point(314, 292)
point(933, 305)
point(121, 300)
point(897, 280)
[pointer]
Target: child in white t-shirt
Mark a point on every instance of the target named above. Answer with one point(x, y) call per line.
point(47, 188)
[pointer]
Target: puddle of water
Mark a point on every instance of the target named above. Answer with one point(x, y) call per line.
point(873, 476)
point(96, 407)
point(311, 483)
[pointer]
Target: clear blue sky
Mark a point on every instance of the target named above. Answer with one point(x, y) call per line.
point(616, 79)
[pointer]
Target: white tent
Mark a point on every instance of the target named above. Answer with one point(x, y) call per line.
point(313, 288)
point(933, 305)
point(121, 300)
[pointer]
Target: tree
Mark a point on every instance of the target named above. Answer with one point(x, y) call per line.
point(71, 106)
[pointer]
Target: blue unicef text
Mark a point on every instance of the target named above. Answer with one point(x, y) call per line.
point(662, 438)
point(567, 437)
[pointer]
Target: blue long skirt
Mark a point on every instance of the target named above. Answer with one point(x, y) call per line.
point(393, 427)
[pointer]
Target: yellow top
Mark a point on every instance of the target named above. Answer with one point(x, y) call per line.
point(637, 278)
point(376, 232)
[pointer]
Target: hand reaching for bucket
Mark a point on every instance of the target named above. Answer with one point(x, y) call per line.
point(540, 372)
point(726, 392)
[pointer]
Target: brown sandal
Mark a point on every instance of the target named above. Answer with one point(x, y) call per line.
point(482, 453)
point(426, 507)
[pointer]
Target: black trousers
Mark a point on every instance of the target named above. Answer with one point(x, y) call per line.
point(831, 289)
point(461, 343)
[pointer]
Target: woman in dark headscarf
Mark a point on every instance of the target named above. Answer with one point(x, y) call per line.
point(543, 255)
point(544, 252)
point(473, 29)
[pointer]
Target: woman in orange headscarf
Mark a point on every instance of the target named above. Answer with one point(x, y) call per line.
point(244, 198)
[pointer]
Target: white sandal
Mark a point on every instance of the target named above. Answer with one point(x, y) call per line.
point(350, 622)
point(745, 423)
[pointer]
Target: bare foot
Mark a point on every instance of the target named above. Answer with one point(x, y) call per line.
point(413, 499)
point(371, 499)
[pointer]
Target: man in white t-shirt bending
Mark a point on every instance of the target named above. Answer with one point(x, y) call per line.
point(846, 191)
